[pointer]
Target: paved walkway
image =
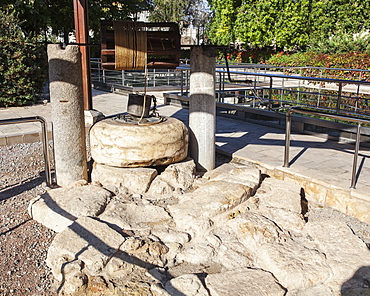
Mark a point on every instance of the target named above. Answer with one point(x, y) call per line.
point(311, 157)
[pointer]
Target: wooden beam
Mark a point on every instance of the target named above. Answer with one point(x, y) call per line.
point(82, 36)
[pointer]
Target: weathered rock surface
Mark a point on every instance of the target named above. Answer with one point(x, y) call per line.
point(247, 175)
point(187, 284)
point(135, 180)
point(343, 261)
point(228, 233)
point(194, 215)
point(177, 176)
point(87, 240)
point(244, 281)
point(281, 202)
point(134, 216)
point(58, 208)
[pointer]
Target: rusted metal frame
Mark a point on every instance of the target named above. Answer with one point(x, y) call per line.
point(82, 36)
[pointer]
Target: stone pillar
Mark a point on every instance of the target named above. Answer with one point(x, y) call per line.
point(67, 114)
point(202, 108)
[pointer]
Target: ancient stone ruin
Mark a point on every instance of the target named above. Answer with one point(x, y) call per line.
point(148, 224)
point(147, 231)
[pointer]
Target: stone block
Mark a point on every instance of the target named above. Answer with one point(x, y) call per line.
point(133, 216)
point(338, 198)
point(195, 210)
point(316, 190)
point(2, 141)
point(31, 138)
point(86, 239)
point(136, 180)
point(14, 139)
point(345, 253)
point(360, 209)
point(248, 175)
point(243, 281)
point(187, 284)
point(280, 201)
point(58, 208)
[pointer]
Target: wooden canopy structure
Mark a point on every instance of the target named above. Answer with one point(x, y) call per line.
point(129, 45)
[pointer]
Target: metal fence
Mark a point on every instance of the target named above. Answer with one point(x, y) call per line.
point(341, 91)
point(132, 78)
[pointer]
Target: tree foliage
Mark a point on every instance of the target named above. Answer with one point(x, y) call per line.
point(41, 15)
point(22, 63)
point(285, 24)
point(169, 11)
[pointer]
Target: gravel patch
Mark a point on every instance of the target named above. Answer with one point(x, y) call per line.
point(23, 241)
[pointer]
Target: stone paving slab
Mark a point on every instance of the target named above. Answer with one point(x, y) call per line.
point(313, 160)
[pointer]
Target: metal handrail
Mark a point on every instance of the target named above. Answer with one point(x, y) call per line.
point(44, 140)
point(282, 77)
point(329, 115)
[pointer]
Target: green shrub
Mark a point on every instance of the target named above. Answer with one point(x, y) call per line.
point(23, 65)
point(351, 60)
point(341, 43)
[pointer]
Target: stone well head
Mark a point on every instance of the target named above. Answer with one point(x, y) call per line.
point(138, 138)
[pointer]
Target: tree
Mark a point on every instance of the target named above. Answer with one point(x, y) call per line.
point(286, 24)
point(22, 63)
point(40, 15)
point(173, 11)
point(222, 28)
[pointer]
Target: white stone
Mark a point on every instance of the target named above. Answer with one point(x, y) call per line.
point(92, 116)
point(160, 187)
point(247, 175)
point(187, 284)
point(121, 144)
point(243, 281)
point(180, 175)
point(322, 290)
point(131, 216)
point(169, 235)
point(270, 248)
point(88, 240)
point(195, 210)
point(280, 201)
point(198, 251)
point(280, 194)
point(58, 208)
point(345, 252)
point(136, 180)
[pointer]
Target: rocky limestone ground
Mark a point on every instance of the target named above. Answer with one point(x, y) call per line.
point(172, 232)
point(168, 231)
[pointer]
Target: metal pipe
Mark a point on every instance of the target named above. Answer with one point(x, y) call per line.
point(340, 117)
point(182, 82)
point(355, 157)
point(339, 97)
point(288, 119)
point(270, 95)
point(44, 140)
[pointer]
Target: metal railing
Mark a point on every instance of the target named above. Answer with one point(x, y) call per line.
point(133, 78)
point(270, 87)
point(328, 115)
point(273, 90)
point(43, 139)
